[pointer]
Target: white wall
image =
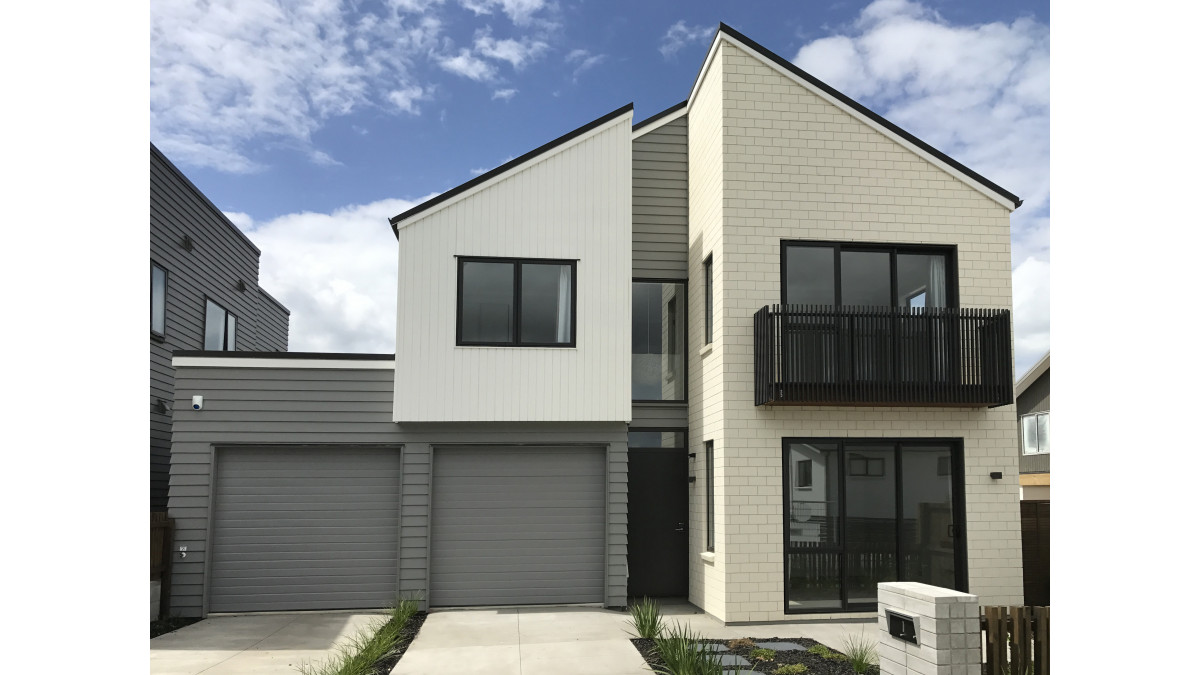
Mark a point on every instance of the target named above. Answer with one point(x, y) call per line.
point(573, 202)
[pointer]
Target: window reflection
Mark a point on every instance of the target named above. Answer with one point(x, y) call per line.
point(658, 341)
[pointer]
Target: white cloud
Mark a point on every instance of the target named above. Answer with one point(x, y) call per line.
point(680, 35)
point(520, 12)
point(585, 61)
point(1031, 313)
point(406, 99)
point(504, 94)
point(469, 66)
point(226, 72)
point(517, 53)
point(336, 272)
point(979, 93)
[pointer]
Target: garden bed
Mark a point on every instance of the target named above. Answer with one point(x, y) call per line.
point(164, 626)
point(834, 663)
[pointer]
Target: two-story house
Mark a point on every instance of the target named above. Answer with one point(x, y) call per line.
point(754, 350)
point(1032, 393)
point(204, 294)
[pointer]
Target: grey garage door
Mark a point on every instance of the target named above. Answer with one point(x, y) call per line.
point(304, 528)
point(517, 525)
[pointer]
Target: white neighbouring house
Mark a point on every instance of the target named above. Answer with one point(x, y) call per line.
point(755, 350)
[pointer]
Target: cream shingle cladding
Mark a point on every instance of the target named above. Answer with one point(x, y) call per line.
point(770, 159)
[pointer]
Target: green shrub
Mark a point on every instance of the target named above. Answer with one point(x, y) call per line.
point(359, 654)
point(683, 653)
point(860, 650)
point(645, 619)
point(763, 654)
point(792, 669)
point(826, 653)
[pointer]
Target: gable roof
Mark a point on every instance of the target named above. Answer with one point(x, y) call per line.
point(506, 167)
point(1032, 375)
point(854, 107)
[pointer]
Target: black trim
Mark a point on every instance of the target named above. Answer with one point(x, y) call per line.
point(273, 300)
point(339, 356)
point(948, 250)
point(483, 178)
point(517, 264)
point(656, 117)
point(957, 505)
point(681, 401)
point(792, 68)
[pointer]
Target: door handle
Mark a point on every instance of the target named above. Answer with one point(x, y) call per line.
point(679, 527)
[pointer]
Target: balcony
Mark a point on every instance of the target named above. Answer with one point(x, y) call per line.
point(884, 356)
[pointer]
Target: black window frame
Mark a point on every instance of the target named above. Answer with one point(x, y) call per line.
point(517, 263)
point(224, 333)
point(158, 335)
point(708, 299)
point(684, 283)
point(948, 250)
point(958, 508)
point(710, 509)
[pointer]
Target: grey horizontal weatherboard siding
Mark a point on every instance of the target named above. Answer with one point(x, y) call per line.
point(1035, 398)
point(660, 203)
point(220, 257)
point(349, 408)
point(659, 416)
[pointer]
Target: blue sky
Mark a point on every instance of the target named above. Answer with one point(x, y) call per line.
point(312, 122)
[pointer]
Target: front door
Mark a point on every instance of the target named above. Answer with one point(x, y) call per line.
point(658, 510)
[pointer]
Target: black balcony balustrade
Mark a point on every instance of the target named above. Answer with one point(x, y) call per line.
point(825, 355)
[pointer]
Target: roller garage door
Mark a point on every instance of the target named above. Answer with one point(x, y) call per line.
point(517, 526)
point(304, 528)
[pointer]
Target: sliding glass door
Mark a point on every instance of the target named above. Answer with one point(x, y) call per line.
point(861, 511)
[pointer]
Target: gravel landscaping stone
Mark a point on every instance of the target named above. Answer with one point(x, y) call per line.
point(817, 665)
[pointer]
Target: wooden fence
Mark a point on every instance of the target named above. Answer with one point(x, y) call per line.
point(1015, 640)
point(162, 532)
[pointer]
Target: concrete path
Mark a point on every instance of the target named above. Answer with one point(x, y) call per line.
point(266, 644)
point(572, 640)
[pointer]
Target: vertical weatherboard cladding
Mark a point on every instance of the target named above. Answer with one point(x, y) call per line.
point(660, 202)
point(216, 257)
point(347, 408)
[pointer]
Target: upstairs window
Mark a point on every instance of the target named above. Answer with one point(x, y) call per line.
point(1035, 433)
point(911, 277)
point(511, 302)
point(158, 300)
point(658, 341)
point(710, 498)
point(220, 328)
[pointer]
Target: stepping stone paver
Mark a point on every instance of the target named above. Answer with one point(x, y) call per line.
point(781, 646)
point(733, 660)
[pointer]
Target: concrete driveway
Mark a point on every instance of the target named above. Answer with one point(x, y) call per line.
point(266, 644)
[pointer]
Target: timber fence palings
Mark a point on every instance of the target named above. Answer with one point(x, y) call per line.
point(1015, 640)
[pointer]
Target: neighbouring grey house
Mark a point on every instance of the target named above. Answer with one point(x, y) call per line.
point(204, 294)
point(754, 350)
point(1033, 416)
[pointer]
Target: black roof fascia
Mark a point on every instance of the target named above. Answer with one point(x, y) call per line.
point(339, 356)
point(483, 178)
point(272, 299)
point(204, 198)
point(795, 70)
point(654, 118)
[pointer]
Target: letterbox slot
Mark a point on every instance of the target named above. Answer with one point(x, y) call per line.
point(902, 626)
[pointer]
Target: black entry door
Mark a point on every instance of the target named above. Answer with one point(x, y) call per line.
point(658, 522)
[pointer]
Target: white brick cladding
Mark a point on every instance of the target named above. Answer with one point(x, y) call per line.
point(795, 166)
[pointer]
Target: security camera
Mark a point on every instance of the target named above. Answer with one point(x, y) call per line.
point(197, 402)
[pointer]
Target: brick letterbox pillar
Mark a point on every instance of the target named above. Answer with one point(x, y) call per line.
point(927, 630)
